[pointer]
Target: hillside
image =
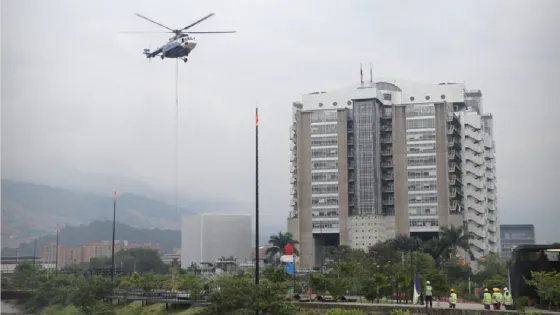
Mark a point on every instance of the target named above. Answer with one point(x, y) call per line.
point(30, 210)
point(103, 230)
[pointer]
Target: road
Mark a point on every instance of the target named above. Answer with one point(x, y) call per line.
point(9, 309)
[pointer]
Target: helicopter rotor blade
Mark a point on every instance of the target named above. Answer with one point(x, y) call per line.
point(193, 24)
point(145, 18)
point(216, 32)
point(145, 32)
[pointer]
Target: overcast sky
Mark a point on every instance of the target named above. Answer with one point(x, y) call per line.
point(79, 96)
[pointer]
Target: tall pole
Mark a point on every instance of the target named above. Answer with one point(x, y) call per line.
point(257, 196)
point(34, 251)
point(56, 259)
point(294, 261)
point(113, 243)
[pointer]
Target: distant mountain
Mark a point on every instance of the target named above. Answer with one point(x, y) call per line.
point(31, 210)
point(103, 231)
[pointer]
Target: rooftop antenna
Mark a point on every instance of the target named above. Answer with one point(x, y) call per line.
point(361, 75)
point(370, 74)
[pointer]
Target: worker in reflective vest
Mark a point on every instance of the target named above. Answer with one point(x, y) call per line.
point(508, 300)
point(452, 299)
point(429, 294)
point(487, 299)
point(497, 299)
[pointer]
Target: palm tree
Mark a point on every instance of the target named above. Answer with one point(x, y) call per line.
point(278, 242)
point(406, 243)
point(454, 238)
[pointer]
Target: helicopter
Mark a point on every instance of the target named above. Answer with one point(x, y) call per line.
point(181, 44)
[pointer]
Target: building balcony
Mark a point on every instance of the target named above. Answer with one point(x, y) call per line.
point(387, 176)
point(387, 152)
point(387, 164)
point(489, 155)
point(490, 176)
point(453, 143)
point(452, 130)
point(386, 128)
point(491, 195)
point(478, 231)
point(293, 169)
point(351, 153)
point(293, 158)
point(386, 139)
point(351, 165)
point(452, 192)
point(478, 219)
point(386, 116)
point(293, 202)
point(454, 155)
point(388, 202)
point(492, 217)
point(492, 228)
point(473, 134)
point(478, 243)
point(475, 159)
point(351, 190)
point(387, 188)
point(293, 180)
point(476, 195)
point(491, 206)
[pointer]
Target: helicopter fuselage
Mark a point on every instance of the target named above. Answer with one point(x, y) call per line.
point(175, 48)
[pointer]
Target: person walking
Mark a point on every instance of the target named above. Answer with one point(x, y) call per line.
point(452, 299)
point(508, 300)
point(487, 299)
point(497, 299)
point(429, 294)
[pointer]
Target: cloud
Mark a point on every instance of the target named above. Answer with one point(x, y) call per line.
point(78, 94)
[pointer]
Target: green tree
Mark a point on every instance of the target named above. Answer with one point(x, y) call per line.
point(278, 243)
point(547, 285)
point(454, 238)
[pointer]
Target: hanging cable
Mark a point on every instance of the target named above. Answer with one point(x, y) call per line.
point(177, 135)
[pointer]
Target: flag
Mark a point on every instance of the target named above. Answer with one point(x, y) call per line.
point(417, 290)
point(257, 117)
point(361, 75)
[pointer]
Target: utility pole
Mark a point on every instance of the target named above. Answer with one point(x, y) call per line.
point(257, 201)
point(56, 258)
point(113, 246)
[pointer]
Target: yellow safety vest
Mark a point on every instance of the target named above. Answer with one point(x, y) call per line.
point(497, 298)
point(428, 290)
point(508, 299)
point(487, 298)
point(453, 298)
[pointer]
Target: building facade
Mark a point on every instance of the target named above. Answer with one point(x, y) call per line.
point(513, 235)
point(389, 158)
point(207, 237)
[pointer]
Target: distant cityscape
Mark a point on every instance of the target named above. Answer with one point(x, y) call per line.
point(68, 255)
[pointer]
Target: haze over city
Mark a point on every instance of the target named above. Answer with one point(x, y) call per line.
point(85, 109)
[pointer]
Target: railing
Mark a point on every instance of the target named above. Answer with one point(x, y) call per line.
point(388, 202)
point(386, 128)
point(476, 194)
point(475, 182)
point(490, 176)
point(387, 176)
point(492, 217)
point(387, 152)
point(388, 189)
point(476, 159)
point(475, 135)
point(386, 139)
point(387, 164)
point(491, 206)
point(476, 230)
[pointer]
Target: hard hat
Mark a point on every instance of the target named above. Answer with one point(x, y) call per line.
point(427, 282)
point(452, 290)
point(505, 289)
point(495, 289)
point(485, 289)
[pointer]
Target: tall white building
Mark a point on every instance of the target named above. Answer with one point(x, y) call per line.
point(380, 159)
point(207, 237)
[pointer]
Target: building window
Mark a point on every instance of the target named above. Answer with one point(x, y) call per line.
point(387, 97)
point(324, 153)
point(412, 98)
point(427, 97)
point(324, 165)
point(420, 123)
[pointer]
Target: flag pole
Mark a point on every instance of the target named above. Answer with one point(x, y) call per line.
point(257, 196)
point(56, 252)
point(113, 244)
point(361, 75)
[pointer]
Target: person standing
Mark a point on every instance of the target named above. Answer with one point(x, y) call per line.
point(429, 294)
point(452, 299)
point(508, 300)
point(486, 299)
